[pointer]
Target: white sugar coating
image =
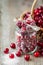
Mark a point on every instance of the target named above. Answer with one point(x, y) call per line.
point(8, 61)
point(17, 33)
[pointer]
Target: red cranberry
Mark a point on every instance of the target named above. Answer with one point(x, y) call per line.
point(23, 24)
point(20, 50)
point(40, 44)
point(19, 38)
point(37, 54)
point(41, 7)
point(6, 51)
point(36, 11)
point(11, 56)
point(42, 16)
point(41, 53)
point(28, 21)
point(36, 18)
point(31, 48)
point(26, 15)
point(19, 54)
point(12, 45)
point(23, 31)
point(27, 57)
point(33, 36)
point(40, 21)
point(26, 50)
point(19, 24)
point(23, 28)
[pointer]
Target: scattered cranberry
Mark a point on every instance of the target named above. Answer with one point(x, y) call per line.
point(6, 51)
point(37, 54)
point(12, 45)
point(27, 57)
point(19, 54)
point(11, 56)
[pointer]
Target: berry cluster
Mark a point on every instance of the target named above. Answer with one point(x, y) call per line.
point(38, 16)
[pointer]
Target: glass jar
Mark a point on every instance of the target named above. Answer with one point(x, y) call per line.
point(26, 38)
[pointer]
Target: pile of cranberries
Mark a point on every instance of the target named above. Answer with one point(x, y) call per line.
point(38, 16)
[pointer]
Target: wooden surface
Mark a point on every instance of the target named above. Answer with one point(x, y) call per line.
point(9, 10)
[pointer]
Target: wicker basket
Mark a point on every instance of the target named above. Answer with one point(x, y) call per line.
point(32, 9)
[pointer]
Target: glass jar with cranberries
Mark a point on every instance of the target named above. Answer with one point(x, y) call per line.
point(26, 36)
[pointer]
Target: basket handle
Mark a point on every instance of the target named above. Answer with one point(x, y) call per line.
point(33, 6)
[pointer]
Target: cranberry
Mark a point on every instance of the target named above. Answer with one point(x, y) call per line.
point(40, 21)
point(12, 45)
point(36, 11)
point(36, 18)
point(28, 21)
point(23, 28)
point(19, 38)
point(26, 15)
point(41, 49)
point(6, 51)
point(41, 7)
point(27, 57)
point(19, 54)
point(37, 54)
point(31, 48)
point(23, 24)
point(20, 50)
point(11, 56)
point(23, 33)
point(40, 44)
point(26, 50)
point(19, 24)
point(41, 53)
